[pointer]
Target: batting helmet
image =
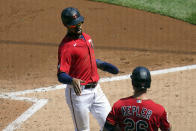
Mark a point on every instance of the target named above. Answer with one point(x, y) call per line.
point(141, 78)
point(71, 16)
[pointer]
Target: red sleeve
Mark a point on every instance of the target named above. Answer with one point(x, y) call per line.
point(164, 124)
point(111, 118)
point(64, 60)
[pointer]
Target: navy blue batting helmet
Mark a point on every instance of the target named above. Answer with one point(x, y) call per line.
point(71, 16)
point(141, 78)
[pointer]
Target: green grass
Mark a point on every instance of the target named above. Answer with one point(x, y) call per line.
point(180, 9)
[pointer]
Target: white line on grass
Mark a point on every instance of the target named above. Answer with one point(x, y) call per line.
point(39, 103)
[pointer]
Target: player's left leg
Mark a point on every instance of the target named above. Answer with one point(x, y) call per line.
point(79, 107)
point(100, 107)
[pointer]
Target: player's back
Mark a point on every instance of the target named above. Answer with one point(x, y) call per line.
point(139, 115)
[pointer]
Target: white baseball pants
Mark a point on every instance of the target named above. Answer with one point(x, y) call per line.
point(91, 100)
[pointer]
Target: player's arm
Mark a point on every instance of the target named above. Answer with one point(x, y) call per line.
point(64, 64)
point(111, 123)
point(164, 124)
point(108, 126)
point(107, 67)
point(66, 79)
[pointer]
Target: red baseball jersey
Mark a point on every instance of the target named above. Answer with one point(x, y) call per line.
point(132, 114)
point(76, 58)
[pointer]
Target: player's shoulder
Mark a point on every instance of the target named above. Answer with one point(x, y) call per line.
point(122, 101)
point(86, 35)
point(66, 42)
point(126, 98)
point(156, 106)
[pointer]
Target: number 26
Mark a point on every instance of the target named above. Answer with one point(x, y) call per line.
point(139, 125)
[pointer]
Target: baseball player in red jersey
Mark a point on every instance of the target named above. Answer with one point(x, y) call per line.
point(77, 67)
point(137, 112)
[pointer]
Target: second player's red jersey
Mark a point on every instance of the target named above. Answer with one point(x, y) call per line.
point(138, 115)
point(77, 59)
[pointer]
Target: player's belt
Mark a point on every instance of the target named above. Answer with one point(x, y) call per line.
point(90, 85)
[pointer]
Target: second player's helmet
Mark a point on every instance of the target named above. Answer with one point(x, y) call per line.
point(71, 16)
point(141, 78)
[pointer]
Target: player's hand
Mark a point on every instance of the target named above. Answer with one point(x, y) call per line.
point(76, 85)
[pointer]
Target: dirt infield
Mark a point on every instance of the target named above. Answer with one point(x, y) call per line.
point(179, 102)
point(30, 32)
point(10, 110)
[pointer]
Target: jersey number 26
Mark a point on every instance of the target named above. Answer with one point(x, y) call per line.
point(139, 125)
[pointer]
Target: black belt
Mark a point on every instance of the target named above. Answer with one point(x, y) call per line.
point(90, 85)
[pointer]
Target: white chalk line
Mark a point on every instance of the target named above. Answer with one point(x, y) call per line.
point(28, 113)
point(39, 103)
